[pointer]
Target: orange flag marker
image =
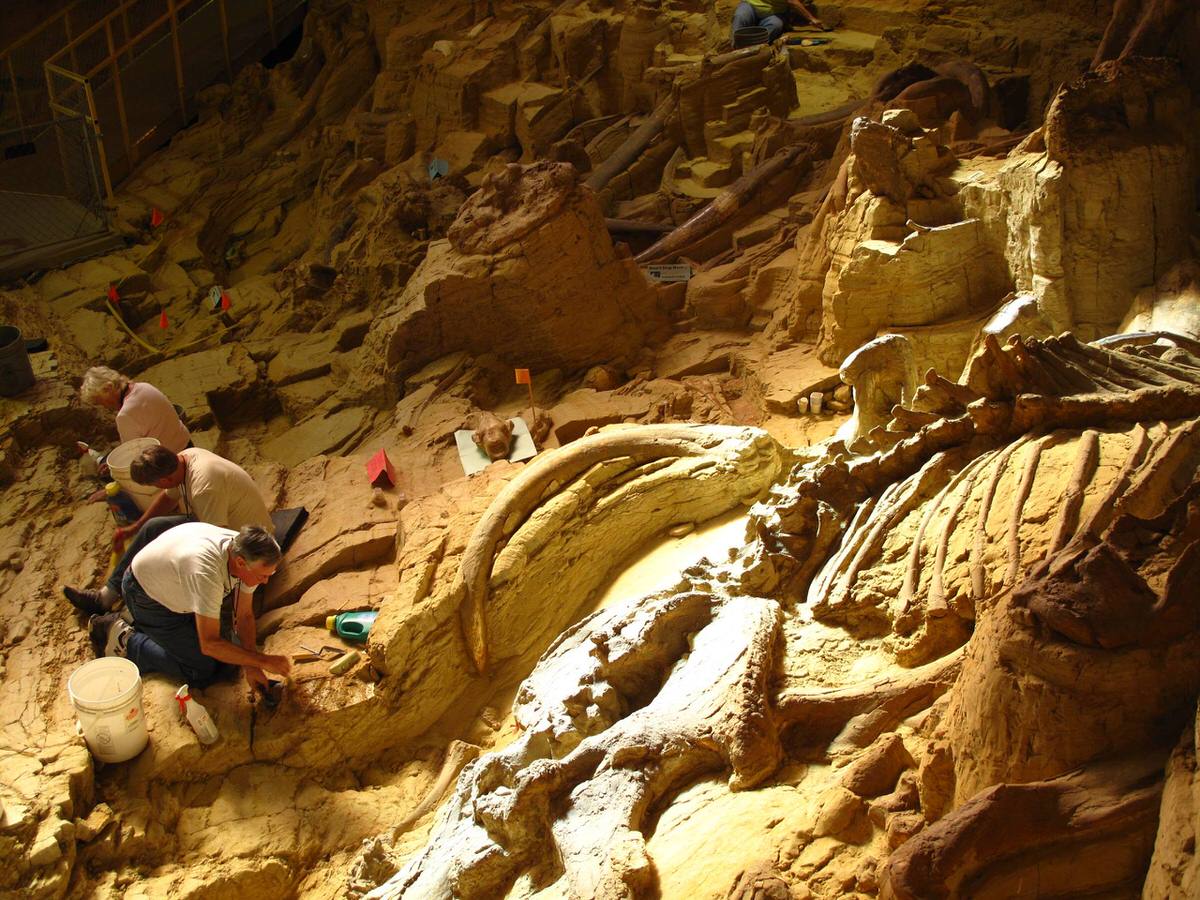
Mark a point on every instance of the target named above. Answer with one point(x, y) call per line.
point(523, 378)
point(156, 217)
point(225, 304)
point(112, 294)
point(162, 319)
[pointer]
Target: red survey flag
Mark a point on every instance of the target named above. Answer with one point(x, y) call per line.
point(225, 304)
point(112, 294)
point(162, 319)
point(156, 217)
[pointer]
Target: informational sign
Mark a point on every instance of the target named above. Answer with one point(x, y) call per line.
point(438, 168)
point(668, 272)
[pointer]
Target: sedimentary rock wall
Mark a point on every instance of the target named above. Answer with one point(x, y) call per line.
point(504, 283)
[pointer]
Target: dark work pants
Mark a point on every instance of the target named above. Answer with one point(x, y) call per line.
point(745, 15)
point(166, 641)
point(148, 532)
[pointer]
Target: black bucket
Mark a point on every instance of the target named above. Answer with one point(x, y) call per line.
point(750, 36)
point(16, 374)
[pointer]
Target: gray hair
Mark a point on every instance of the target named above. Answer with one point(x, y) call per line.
point(99, 379)
point(254, 544)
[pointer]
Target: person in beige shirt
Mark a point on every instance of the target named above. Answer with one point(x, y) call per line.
point(200, 484)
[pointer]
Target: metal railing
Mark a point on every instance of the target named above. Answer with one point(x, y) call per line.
point(95, 88)
point(23, 100)
point(134, 72)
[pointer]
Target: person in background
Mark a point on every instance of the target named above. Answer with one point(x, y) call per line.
point(771, 15)
point(142, 409)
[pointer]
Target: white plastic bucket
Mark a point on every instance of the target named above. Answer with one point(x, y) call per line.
point(119, 461)
point(107, 696)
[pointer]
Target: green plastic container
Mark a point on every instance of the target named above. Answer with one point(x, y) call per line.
point(351, 626)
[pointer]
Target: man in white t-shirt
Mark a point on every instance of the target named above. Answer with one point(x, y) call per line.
point(175, 590)
point(201, 485)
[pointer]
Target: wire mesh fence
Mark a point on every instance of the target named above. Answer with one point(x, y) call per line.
point(23, 97)
point(55, 157)
point(98, 86)
point(50, 185)
point(134, 66)
point(137, 70)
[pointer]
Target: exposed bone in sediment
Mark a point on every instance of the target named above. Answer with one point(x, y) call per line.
point(854, 535)
point(1102, 364)
point(995, 374)
point(1172, 467)
point(974, 850)
point(458, 754)
point(975, 80)
point(941, 396)
point(1033, 411)
point(1142, 343)
point(1071, 378)
point(1141, 443)
point(1182, 366)
point(937, 591)
point(1089, 531)
point(908, 617)
point(894, 504)
point(726, 204)
point(638, 141)
point(569, 785)
point(1029, 472)
point(908, 420)
point(1039, 379)
point(520, 496)
point(632, 226)
point(864, 711)
point(1087, 456)
point(979, 541)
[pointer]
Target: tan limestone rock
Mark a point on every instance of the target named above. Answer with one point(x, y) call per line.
point(344, 529)
point(220, 385)
point(324, 430)
point(1170, 305)
point(500, 285)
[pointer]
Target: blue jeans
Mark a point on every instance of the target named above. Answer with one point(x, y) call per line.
point(165, 641)
point(745, 16)
point(148, 532)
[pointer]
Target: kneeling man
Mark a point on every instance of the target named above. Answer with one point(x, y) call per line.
point(175, 590)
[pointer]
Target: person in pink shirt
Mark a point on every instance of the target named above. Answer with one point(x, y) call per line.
point(142, 409)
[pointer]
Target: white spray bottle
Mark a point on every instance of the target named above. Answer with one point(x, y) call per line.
point(197, 716)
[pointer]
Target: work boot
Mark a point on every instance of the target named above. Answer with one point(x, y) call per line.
point(109, 634)
point(88, 601)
